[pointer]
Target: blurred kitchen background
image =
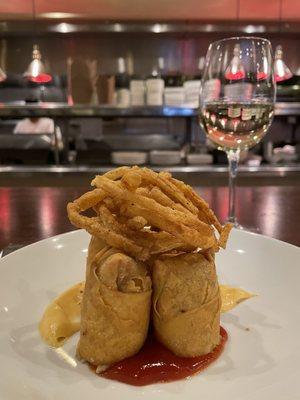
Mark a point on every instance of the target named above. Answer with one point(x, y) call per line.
point(88, 85)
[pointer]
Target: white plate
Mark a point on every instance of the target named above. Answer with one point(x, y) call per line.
point(261, 360)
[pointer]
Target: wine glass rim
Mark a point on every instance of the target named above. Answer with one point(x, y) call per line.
point(242, 38)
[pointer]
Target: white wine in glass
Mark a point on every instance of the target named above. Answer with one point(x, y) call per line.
point(237, 99)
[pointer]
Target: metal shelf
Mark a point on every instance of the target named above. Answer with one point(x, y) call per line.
point(51, 27)
point(62, 110)
point(214, 169)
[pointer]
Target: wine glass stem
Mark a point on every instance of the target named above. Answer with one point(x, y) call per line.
point(233, 161)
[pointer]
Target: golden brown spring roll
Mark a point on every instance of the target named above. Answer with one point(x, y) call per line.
point(115, 308)
point(186, 304)
point(96, 244)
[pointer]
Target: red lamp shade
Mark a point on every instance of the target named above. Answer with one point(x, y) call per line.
point(42, 78)
point(235, 76)
point(261, 75)
point(235, 70)
point(36, 71)
point(281, 70)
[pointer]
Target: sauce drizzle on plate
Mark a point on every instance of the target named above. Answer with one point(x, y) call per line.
point(155, 363)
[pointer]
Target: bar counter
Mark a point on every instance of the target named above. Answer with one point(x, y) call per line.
point(195, 175)
point(31, 214)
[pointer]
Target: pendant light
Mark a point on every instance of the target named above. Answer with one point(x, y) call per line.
point(235, 70)
point(263, 70)
point(281, 70)
point(36, 71)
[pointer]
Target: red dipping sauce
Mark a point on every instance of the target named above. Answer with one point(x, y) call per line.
point(155, 363)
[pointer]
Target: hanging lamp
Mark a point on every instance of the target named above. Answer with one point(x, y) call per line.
point(235, 70)
point(281, 70)
point(36, 71)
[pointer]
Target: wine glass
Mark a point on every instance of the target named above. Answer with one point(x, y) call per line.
point(237, 98)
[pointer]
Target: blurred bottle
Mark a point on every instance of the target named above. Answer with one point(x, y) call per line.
point(200, 68)
point(137, 91)
point(122, 84)
point(192, 85)
point(136, 85)
point(106, 89)
point(80, 88)
point(155, 84)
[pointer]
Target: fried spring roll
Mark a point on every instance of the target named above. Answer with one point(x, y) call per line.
point(186, 304)
point(96, 244)
point(115, 308)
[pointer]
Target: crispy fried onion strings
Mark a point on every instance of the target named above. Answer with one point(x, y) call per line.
point(144, 213)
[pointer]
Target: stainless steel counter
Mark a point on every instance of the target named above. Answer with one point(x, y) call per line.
point(62, 110)
point(215, 169)
point(194, 175)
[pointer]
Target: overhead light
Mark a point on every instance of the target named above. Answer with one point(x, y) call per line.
point(254, 29)
point(36, 71)
point(235, 70)
point(63, 27)
point(281, 70)
point(117, 27)
point(156, 28)
point(209, 28)
point(58, 15)
point(159, 28)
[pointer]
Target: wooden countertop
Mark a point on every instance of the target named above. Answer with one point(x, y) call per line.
point(31, 214)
